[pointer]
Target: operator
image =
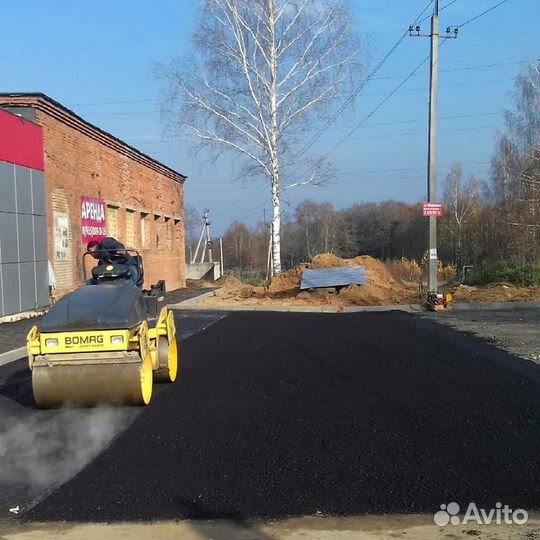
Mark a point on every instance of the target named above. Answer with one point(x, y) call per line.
point(110, 250)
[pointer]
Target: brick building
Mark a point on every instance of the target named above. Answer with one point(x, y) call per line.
point(90, 183)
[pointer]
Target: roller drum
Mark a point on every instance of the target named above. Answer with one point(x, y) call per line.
point(168, 360)
point(92, 378)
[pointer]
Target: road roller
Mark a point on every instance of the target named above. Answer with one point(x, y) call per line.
point(106, 342)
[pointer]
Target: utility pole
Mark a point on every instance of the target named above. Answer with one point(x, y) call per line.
point(205, 231)
point(451, 33)
point(432, 149)
point(209, 243)
point(221, 254)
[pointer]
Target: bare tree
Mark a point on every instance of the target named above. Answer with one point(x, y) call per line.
point(192, 227)
point(261, 75)
point(515, 176)
point(461, 200)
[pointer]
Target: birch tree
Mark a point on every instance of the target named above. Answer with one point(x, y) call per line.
point(515, 182)
point(461, 200)
point(262, 74)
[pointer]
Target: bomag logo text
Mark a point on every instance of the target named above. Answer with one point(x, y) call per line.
point(84, 340)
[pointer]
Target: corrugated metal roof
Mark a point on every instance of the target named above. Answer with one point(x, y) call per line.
point(333, 277)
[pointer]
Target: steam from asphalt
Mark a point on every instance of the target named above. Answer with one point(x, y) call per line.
point(44, 451)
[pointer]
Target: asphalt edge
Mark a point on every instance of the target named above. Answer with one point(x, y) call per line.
point(12, 356)
point(193, 301)
point(196, 303)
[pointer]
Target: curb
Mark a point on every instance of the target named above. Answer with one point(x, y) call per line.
point(497, 305)
point(11, 356)
point(409, 308)
point(195, 304)
point(192, 301)
point(236, 307)
point(296, 309)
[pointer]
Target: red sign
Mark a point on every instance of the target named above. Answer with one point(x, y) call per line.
point(432, 209)
point(21, 142)
point(93, 219)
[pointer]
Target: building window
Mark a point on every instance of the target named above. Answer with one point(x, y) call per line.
point(61, 236)
point(130, 229)
point(169, 232)
point(112, 221)
point(177, 227)
point(144, 231)
point(158, 229)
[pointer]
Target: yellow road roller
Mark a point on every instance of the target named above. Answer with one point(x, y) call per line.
point(106, 342)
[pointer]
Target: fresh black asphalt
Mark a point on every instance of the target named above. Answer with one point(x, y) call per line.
point(40, 449)
point(281, 414)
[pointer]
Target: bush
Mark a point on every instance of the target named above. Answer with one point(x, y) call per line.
point(411, 271)
point(523, 275)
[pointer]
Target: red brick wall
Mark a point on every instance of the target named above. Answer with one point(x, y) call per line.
point(76, 165)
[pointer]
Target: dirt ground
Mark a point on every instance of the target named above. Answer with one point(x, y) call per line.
point(382, 287)
point(495, 292)
point(313, 528)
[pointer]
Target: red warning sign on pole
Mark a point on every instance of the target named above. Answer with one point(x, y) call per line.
point(432, 209)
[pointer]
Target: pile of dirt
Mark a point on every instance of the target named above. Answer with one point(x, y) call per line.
point(495, 292)
point(380, 288)
point(288, 282)
point(233, 288)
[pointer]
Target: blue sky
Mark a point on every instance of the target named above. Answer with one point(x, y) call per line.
point(97, 58)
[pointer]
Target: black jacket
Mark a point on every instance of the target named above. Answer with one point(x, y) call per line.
point(108, 252)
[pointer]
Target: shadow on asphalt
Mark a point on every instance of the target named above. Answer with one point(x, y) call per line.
point(18, 388)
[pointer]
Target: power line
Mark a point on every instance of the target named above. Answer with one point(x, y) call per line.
point(482, 14)
point(463, 68)
point(156, 111)
point(442, 9)
point(398, 178)
point(177, 139)
point(356, 181)
point(417, 121)
point(259, 206)
point(387, 135)
point(358, 89)
point(388, 77)
point(366, 118)
point(409, 133)
point(397, 88)
point(97, 103)
point(454, 85)
point(379, 171)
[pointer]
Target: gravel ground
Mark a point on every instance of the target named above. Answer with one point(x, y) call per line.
point(516, 330)
point(278, 415)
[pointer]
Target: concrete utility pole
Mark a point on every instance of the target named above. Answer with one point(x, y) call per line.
point(209, 243)
point(451, 33)
point(221, 255)
point(432, 149)
point(205, 231)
